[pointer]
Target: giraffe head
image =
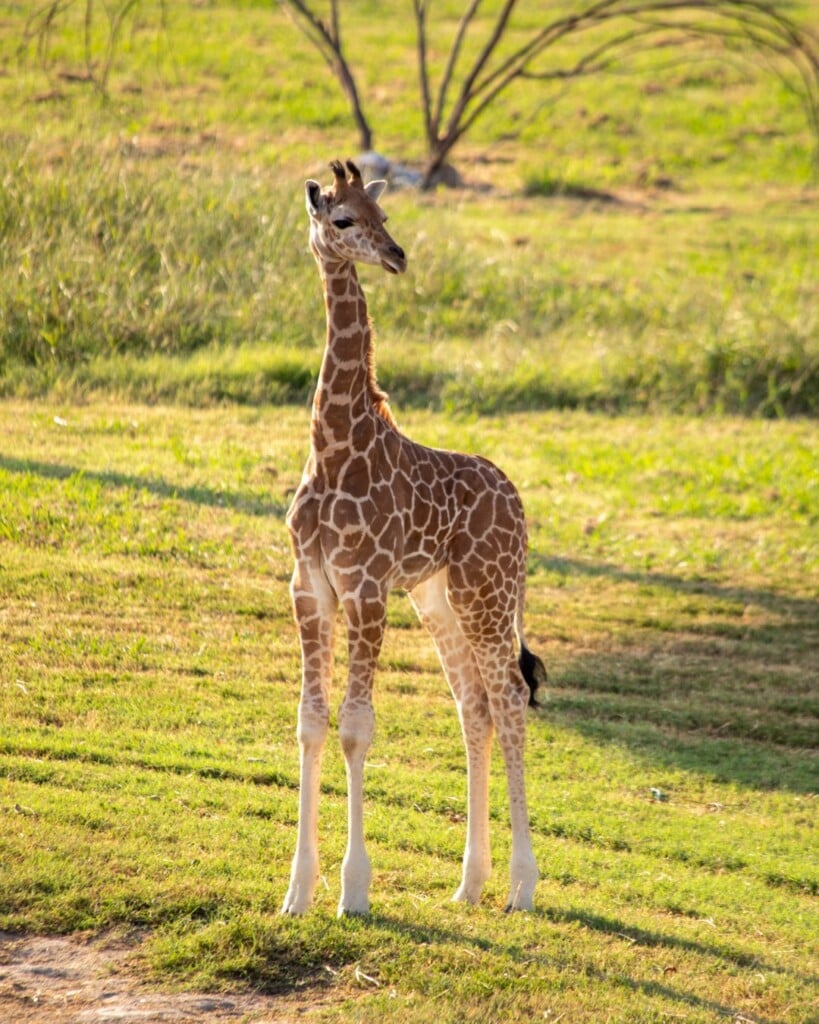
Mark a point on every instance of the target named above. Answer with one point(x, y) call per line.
point(347, 224)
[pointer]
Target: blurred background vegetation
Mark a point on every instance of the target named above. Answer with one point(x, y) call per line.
point(640, 238)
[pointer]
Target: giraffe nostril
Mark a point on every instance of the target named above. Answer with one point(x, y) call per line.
point(396, 250)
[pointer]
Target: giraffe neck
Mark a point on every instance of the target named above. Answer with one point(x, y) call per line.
point(347, 401)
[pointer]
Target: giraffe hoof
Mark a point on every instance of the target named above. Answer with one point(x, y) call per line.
point(294, 908)
point(297, 901)
point(519, 901)
point(465, 895)
point(514, 908)
point(354, 911)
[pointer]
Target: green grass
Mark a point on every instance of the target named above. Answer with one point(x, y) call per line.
point(545, 304)
point(150, 675)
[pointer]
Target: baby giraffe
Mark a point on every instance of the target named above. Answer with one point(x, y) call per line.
point(375, 511)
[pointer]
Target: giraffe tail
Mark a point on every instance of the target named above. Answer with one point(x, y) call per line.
point(531, 667)
point(534, 672)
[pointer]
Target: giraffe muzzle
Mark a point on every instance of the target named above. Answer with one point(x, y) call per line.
point(395, 261)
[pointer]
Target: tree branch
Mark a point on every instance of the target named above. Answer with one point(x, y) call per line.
point(39, 25)
point(327, 41)
point(452, 61)
point(312, 26)
point(480, 62)
point(420, 9)
point(115, 22)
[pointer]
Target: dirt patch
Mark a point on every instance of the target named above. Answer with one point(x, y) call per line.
point(78, 981)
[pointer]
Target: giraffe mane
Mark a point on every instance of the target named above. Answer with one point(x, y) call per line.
point(380, 399)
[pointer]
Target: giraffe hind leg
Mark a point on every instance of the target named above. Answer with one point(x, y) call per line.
point(508, 698)
point(487, 619)
point(461, 670)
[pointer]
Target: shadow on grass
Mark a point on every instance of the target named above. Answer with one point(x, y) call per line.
point(315, 949)
point(196, 494)
point(750, 595)
point(714, 678)
point(673, 943)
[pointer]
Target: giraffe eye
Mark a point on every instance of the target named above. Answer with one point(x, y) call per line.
point(343, 223)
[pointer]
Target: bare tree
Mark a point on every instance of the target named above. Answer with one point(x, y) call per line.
point(616, 30)
point(613, 31)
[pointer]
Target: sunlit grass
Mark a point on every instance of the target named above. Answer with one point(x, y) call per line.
point(180, 290)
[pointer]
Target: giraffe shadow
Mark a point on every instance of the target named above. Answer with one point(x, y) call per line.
point(530, 957)
point(712, 677)
point(196, 494)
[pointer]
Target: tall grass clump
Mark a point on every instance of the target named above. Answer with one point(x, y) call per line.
point(187, 280)
point(104, 257)
point(601, 307)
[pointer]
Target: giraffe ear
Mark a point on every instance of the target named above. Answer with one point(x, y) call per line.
point(313, 197)
point(374, 189)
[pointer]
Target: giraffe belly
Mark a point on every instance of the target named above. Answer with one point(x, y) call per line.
point(417, 568)
point(373, 561)
point(368, 547)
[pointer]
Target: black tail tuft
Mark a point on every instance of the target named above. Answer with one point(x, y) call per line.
point(534, 672)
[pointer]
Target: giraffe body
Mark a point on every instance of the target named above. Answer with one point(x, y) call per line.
point(375, 511)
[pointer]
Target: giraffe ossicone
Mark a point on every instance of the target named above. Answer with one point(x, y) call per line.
point(374, 511)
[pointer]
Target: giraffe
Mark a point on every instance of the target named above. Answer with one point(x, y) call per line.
point(376, 511)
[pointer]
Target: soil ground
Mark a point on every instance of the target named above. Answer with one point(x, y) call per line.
point(91, 981)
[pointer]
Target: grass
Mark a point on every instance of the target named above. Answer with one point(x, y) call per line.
point(148, 757)
point(542, 305)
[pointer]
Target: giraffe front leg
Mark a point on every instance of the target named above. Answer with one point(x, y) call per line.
point(356, 725)
point(356, 721)
point(314, 605)
point(477, 731)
